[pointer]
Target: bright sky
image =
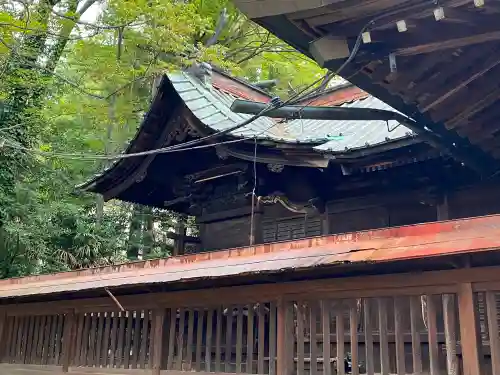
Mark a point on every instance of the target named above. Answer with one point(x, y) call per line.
point(93, 12)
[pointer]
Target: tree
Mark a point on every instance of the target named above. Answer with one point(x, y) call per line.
point(77, 86)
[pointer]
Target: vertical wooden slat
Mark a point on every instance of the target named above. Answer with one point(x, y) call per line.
point(416, 348)
point(159, 319)
point(92, 344)
point(384, 342)
point(19, 346)
point(353, 328)
point(300, 337)
point(272, 338)
point(26, 343)
point(165, 338)
point(136, 339)
point(3, 334)
point(229, 338)
point(450, 332)
point(67, 342)
point(432, 334)
point(59, 341)
point(128, 339)
point(239, 339)
point(51, 333)
point(151, 340)
point(261, 339)
point(39, 348)
point(29, 340)
point(114, 337)
point(46, 341)
point(16, 339)
point(208, 341)
point(469, 332)
point(399, 337)
point(105, 341)
point(9, 335)
point(199, 337)
point(370, 367)
point(26, 338)
point(190, 339)
point(13, 338)
point(85, 340)
point(180, 338)
point(312, 341)
point(491, 310)
point(121, 338)
point(20, 339)
point(218, 340)
point(325, 323)
point(339, 323)
point(34, 343)
point(145, 339)
point(80, 318)
point(171, 338)
point(250, 341)
point(3, 330)
point(53, 340)
point(282, 355)
point(100, 334)
point(13, 341)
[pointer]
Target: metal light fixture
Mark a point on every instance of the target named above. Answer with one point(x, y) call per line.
point(401, 25)
point(367, 38)
point(439, 13)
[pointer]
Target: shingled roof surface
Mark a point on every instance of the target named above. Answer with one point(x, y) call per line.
point(212, 107)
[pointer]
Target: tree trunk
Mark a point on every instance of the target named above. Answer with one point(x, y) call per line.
point(134, 235)
point(148, 241)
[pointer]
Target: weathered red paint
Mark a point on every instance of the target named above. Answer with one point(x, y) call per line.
point(238, 89)
point(383, 245)
point(337, 97)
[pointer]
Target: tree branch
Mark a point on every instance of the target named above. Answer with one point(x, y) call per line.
point(221, 24)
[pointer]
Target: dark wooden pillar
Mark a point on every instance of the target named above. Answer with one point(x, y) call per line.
point(180, 238)
point(443, 212)
point(157, 339)
point(469, 330)
point(256, 224)
point(68, 339)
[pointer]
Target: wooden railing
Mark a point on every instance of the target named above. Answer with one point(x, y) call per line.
point(430, 323)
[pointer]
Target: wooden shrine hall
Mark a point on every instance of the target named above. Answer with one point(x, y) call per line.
point(324, 247)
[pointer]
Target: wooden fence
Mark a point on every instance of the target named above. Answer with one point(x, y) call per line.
point(429, 323)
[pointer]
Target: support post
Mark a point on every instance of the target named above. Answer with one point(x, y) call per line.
point(180, 231)
point(158, 325)
point(68, 340)
point(443, 212)
point(3, 342)
point(469, 330)
point(256, 222)
point(284, 346)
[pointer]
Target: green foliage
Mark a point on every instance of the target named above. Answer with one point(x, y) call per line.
point(76, 86)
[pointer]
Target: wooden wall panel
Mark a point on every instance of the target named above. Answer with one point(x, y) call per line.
point(226, 234)
point(350, 221)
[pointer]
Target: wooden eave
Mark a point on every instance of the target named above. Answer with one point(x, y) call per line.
point(447, 70)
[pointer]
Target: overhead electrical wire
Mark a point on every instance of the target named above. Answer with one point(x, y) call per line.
point(194, 144)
